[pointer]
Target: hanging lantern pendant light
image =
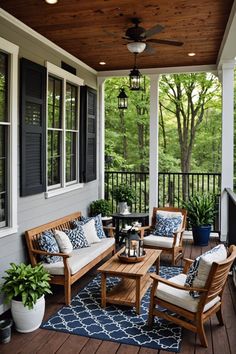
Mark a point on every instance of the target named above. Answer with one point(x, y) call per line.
point(122, 99)
point(135, 77)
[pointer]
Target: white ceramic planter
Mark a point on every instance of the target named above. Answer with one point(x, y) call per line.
point(123, 208)
point(27, 320)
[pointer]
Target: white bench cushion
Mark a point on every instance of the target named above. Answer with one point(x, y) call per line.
point(158, 241)
point(179, 297)
point(80, 257)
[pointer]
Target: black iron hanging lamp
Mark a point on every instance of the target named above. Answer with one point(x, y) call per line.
point(135, 78)
point(122, 99)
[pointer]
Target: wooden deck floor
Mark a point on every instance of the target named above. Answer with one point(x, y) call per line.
point(221, 340)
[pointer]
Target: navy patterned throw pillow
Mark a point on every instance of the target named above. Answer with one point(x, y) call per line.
point(48, 243)
point(165, 226)
point(77, 237)
point(98, 224)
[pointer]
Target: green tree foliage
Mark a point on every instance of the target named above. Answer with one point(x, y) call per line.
point(187, 98)
point(189, 125)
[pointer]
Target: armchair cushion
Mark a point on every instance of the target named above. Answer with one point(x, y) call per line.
point(167, 223)
point(199, 270)
point(158, 241)
point(181, 298)
point(48, 243)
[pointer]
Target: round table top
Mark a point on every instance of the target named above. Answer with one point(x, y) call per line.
point(130, 216)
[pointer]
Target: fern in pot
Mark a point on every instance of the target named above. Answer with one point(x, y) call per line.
point(24, 287)
point(201, 212)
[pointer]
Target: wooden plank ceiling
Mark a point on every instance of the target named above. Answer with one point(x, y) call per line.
point(92, 30)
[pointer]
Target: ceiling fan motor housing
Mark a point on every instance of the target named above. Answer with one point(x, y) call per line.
point(135, 33)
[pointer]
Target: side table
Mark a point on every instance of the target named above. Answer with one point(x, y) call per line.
point(122, 219)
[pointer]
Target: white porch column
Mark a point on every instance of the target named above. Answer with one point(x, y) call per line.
point(153, 144)
point(101, 139)
point(227, 169)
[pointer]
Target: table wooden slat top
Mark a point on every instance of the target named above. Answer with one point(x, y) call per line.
point(116, 267)
point(135, 279)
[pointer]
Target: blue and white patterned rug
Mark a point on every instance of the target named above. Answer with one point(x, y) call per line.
point(121, 324)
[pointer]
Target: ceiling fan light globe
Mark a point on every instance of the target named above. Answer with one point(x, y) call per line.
point(136, 47)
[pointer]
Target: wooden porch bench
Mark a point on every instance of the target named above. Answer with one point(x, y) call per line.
point(63, 275)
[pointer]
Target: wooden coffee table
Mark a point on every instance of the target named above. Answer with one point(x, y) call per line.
point(135, 279)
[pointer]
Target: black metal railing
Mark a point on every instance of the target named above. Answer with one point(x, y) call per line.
point(173, 187)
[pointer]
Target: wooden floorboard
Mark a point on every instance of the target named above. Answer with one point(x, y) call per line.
point(220, 339)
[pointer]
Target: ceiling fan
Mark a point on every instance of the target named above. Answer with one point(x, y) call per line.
point(139, 38)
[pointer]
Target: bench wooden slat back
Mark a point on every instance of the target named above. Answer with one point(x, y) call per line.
point(33, 235)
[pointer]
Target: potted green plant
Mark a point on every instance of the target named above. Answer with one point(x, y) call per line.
point(201, 211)
point(100, 206)
point(25, 286)
point(124, 195)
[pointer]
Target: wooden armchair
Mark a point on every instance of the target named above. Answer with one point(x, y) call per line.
point(169, 245)
point(191, 313)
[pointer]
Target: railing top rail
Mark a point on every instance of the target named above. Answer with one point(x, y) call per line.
point(168, 173)
point(231, 194)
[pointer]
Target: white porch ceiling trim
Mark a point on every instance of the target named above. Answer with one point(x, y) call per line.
point(30, 32)
point(161, 71)
point(227, 50)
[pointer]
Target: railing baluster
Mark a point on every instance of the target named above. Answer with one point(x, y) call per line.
point(170, 186)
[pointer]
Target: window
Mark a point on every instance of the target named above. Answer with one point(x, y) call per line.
point(4, 133)
point(63, 130)
point(8, 137)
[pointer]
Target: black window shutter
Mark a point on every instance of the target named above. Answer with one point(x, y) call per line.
point(33, 128)
point(88, 134)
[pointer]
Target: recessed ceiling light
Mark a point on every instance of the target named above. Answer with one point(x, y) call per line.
point(191, 54)
point(51, 2)
point(102, 63)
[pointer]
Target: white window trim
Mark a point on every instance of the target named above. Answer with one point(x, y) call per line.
point(64, 75)
point(12, 50)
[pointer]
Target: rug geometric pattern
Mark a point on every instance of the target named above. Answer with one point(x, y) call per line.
point(117, 323)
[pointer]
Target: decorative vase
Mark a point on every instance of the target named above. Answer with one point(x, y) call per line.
point(123, 208)
point(27, 320)
point(201, 235)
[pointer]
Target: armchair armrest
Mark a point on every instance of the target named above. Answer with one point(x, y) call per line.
point(187, 264)
point(142, 229)
point(157, 278)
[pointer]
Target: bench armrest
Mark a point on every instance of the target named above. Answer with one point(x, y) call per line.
point(44, 253)
point(110, 230)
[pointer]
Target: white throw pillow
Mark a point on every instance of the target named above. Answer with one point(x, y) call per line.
point(63, 242)
point(199, 270)
point(217, 254)
point(90, 232)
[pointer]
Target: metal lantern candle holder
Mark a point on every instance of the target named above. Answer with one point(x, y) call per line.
point(133, 251)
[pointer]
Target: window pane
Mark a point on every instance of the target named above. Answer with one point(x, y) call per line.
point(3, 87)
point(54, 157)
point(70, 156)
point(54, 103)
point(71, 106)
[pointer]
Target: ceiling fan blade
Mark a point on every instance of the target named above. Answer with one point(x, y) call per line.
point(151, 31)
point(165, 41)
point(149, 49)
